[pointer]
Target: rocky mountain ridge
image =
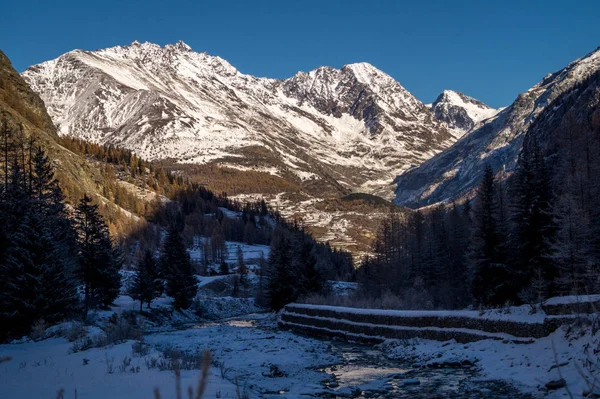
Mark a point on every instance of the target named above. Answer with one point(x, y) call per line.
point(355, 126)
point(497, 141)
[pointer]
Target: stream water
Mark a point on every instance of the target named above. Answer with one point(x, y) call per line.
point(367, 372)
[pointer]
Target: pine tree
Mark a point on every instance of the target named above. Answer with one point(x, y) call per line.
point(532, 220)
point(490, 276)
point(147, 284)
point(98, 262)
point(224, 268)
point(242, 270)
point(236, 287)
point(281, 279)
point(176, 266)
point(305, 265)
point(36, 263)
point(261, 297)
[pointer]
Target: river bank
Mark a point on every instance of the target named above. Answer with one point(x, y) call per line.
point(548, 352)
point(250, 355)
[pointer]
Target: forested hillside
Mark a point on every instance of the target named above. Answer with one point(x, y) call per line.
point(74, 214)
point(531, 237)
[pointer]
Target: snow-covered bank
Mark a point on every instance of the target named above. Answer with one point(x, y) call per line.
point(265, 362)
point(532, 351)
point(569, 353)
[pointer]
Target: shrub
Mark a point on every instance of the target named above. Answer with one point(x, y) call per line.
point(140, 348)
point(121, 328)
point(38, 330)
point(196, 393)
point(83, 345)
point(75, 331)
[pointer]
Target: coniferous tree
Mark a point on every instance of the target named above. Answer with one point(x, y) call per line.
point(98, 262)
point(261, 291)
point(281, 279)
point(147, 284)
point(532, 220)
point(224, 268)
point(236, 286)
point(242, 269)
point(490, 276)
point(36, 263)
point(180, 280)
point(305, 264)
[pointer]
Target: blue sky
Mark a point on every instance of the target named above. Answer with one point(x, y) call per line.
point(489, 50)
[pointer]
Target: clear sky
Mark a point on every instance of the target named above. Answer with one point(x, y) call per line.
point(491, 50)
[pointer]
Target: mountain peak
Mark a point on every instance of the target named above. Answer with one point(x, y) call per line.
point(180, 45)
point(459, 98)
point(459, 112)
point(367, 73)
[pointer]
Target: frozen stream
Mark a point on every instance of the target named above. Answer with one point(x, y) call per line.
point(335, 369)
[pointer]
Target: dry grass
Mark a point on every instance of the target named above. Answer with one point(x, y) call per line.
point(192, 393)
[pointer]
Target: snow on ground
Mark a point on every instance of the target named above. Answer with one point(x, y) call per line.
point(528, 366)
point(41, 369)
point(343, 288)
point(514, 313)
point(572, 299)
point(266, 361)
point(251, 253)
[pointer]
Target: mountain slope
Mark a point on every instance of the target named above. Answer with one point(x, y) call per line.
point(456, 171)
point(329, 130)
point(459, 112)
point(21, 106)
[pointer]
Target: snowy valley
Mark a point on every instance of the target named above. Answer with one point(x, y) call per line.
point(168, 221)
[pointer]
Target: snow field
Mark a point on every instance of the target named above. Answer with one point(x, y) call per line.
point(264, 361)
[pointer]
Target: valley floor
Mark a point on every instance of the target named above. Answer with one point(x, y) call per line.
point(252, 356)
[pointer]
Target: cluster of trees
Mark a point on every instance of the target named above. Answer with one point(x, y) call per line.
point(521, 241)
point(221, 179)
point(58, 260)
point(298, 266)
point(119, 164)
point(47, 252)
point(128, 165)
point(172, 273)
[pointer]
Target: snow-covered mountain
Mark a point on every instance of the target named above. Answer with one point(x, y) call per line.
point(331, 130)
point(459, 112)
point(497, 141)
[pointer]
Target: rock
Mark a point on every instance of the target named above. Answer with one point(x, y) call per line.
point(590, 394)
point(556, 384)
point(410, 382)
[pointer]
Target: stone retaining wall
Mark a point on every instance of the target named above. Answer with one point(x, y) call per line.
point(365, 327)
